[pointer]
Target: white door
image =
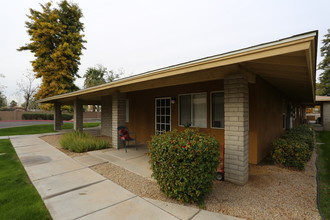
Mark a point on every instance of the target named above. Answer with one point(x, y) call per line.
point(162, 115)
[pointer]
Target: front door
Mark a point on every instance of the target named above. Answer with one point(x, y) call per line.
point(162, 115)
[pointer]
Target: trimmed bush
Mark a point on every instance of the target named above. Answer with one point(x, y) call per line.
point(184, 163)
point(290, 153)
point(7, 109)
point(295, 148)
point(67, 117)
point(302, 133)
point(81, 142)
point(44, 116)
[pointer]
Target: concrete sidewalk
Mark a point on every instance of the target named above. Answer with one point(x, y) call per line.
point(71, 190)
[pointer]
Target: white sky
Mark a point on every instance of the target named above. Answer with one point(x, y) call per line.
point(142, 35)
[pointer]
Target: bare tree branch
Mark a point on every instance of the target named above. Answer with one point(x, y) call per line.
point(27, 87)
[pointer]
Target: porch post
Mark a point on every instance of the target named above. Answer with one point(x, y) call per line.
point(57, 116)
point(106, 116)
point(118, 116)
point(77, 115)
point(236, 102)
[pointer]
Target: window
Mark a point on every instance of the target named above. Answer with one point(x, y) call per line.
point(193, 110)
point(217, 110)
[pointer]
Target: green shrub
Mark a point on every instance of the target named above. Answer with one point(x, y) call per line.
point(81, 142)
point(290, 152)
point(44, 116)
point(184, 163)
point(67, 117)
point(295, 147)
point(302, 133)
point(7, 109)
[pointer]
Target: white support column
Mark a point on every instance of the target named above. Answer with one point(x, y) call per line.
point(236, 101)
point(78, 115)
point(106, 116)
point(57, 116)
point(118, 115)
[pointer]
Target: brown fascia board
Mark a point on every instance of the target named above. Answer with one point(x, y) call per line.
point(158, 73)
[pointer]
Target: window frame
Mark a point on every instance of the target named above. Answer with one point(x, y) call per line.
point(170, 115)
point(191, 109)
point(222, 91)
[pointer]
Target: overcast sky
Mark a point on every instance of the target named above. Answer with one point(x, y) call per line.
point(142, 35)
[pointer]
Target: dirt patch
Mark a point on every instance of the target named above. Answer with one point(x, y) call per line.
point(272, 192)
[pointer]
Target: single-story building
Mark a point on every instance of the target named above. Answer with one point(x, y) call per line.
point(244, 98)
point(324, 102)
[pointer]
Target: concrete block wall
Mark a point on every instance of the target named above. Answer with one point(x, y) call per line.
point(118, 115)
point(106, 116)
point(236, 103)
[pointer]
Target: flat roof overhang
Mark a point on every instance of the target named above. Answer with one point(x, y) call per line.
point(321, 99)
point(288, 64)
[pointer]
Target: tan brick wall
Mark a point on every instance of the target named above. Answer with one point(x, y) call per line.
point(118, 115)
point(236, 101)
point(106, 116)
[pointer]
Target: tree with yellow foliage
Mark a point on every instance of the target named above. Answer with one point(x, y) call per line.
point(56, 40)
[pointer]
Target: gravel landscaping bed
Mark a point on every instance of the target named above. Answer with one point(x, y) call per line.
point(272, 192)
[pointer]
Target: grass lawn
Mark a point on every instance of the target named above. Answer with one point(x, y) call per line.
point(18, 197)
point(39, 129)
point(324, 172)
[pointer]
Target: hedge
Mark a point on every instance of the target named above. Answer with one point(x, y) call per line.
point(44, 116)
point(302, 133)
point(184, 163)
point(295, 147)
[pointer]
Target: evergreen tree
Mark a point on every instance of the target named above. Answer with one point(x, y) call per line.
point(57, 43)
point(13, 104)
point(95, 76)
point(324, 87)
point(99, 75)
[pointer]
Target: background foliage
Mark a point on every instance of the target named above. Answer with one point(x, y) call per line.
point(57, 44)
point(324, 86)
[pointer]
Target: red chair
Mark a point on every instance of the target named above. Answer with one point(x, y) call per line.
point(124, 137)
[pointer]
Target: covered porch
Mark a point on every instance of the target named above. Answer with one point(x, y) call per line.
point(240, 97)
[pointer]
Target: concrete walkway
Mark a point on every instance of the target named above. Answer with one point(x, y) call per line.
point(71, 190)
point(135, 160)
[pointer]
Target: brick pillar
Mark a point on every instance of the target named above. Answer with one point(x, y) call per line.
point(57, 116)
point(106, 116)
point(236, 101)
point(77, 115)
point(118, 115)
